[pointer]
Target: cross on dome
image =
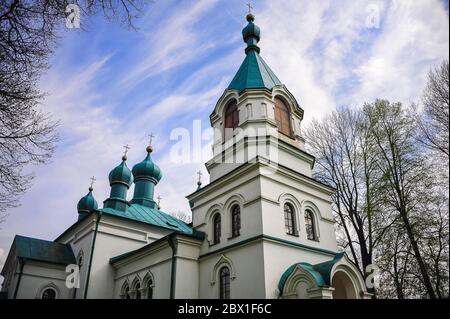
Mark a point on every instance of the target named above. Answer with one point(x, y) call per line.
point(93, 179)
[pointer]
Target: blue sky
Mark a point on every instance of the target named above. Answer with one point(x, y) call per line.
point(110, 86)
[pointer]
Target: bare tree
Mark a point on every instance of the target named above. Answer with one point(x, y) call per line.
point(434, 118)
point(394, 133)
point(345, 160)
point(28, 33)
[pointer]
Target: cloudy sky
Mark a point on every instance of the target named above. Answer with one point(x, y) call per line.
point(109, 86)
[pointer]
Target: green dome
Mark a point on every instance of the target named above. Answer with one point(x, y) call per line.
point(121, 174)
point(251, 30)
point(251, 34)
point(87, 203)
point(147, 168)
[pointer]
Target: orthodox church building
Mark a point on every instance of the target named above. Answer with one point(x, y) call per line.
point(261, 228)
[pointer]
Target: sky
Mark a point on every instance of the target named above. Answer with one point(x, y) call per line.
point(110, 86)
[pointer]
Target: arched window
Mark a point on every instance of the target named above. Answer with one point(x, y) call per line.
point(309, 225)
point(150, 289)
point(282, 117)
point(235, 221)
point(289, 220)
point(231, 119)
point(224, 292)
point(125, 294)
point(217, 221)
point(138, 291)
point(49, 293)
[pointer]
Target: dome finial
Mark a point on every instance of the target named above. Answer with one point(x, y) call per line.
point(251, 32)
point(150, 147)
point(126, 147)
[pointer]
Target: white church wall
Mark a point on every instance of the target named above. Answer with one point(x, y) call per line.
point(278, 190)
point(37, 276)
point(116, 236)
point(244, 191)
point(158, 264)
point(247, 272)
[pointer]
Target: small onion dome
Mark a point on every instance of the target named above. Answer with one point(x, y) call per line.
point(87, 203)
point(251, 30)
point(121, 174)
point(147, 168)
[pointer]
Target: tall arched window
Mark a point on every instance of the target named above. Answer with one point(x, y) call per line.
point(49, 293)
point(224, 289)
point(231, 119)
point(282, 117)
point(309, 225)
point(289, 220)
point(150, 289)
point(235, 221)
point(125, 291)
point(138, 291)
point(217, 221)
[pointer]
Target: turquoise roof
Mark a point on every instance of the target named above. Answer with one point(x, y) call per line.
point(43, 250)
point(254, 73)
point(147, 168)
point(151, 216)
point(320, 272)
point(87, 203)
point(121, 174)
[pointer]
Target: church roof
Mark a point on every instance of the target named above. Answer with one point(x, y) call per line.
point(254, 73)
point(150, 216)
point(320, 272)
point(43, 250)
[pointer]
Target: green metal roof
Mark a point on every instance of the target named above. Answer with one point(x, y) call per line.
point(254, 73)
point(43, 250)
point(150, 216)
point(320, 272)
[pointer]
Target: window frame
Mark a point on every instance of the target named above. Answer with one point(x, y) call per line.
point(310, 228)
point(224, 283)
point(55, 293)
point(236, 221)
point(290, 221)
point(230, 119)
point(282, 115)
point(217, 228)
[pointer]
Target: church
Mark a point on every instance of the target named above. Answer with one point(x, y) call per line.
point(262, 228)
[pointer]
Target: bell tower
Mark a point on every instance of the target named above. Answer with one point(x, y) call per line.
point(262, 211)
point(256, 117)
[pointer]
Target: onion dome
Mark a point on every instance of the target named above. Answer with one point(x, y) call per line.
point(86, 204)
point(121, 174)
point(251, 34)
point(147, 168)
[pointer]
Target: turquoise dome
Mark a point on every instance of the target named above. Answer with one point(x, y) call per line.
point(121, 174)
point(147, 168)
point(251, 34)
point(87, 203)
point(251, 30)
